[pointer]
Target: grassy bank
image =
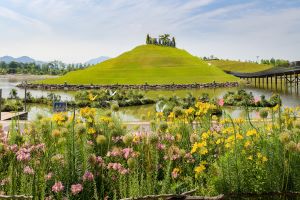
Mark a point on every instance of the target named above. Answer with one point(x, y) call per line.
point(237, 66)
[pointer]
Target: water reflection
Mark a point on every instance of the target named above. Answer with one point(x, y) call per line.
point(144, 113)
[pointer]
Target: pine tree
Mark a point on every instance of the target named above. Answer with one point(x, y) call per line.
point(148, 39)
point(173, 42)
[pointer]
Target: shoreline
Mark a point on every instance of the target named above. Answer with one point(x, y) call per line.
point(75, 87)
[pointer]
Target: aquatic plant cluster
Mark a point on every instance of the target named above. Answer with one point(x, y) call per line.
point(84, 156)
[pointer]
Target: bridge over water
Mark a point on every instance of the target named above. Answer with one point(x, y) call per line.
point(274, 77)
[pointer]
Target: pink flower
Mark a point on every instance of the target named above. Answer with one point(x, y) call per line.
point(13, 148)
point(256, 99)
point(160, 146)
point(28, 170)
point(175, 174)
point(23, 154)
point(77, 188)
point(88, 176)
point(127, 152)
point(100, 161)
point(57, 187)
point(221, 102)
point(49, 176)
point(4, 181)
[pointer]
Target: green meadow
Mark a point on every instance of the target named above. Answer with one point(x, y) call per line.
point(150, 64)
point(237, 66)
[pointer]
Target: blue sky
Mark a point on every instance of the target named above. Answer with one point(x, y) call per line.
point(77, 30)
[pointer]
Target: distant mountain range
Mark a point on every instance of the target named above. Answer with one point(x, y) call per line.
point(23, 59)
point(97, 60)
point(26, 59)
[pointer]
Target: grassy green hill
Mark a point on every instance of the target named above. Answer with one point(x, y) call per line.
point(237, 66)
point(147, 63)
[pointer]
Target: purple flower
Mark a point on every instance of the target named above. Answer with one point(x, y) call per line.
point(77, 188)
point(88, 176)
point(57, 187)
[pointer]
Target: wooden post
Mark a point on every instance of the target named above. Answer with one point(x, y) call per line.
point(259, 82)
point(267, 82)
point(254, 81)
point(271, 83)
point(276, 82)
point(281, 82)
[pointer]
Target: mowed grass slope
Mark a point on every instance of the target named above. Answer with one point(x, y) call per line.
point(237, 66)
point(147, 64)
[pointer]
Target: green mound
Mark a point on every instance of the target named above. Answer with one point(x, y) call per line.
point(237, 66)
point(150, 64)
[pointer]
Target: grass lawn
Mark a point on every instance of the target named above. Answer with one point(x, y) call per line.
point(147, 64)
point(237, 66)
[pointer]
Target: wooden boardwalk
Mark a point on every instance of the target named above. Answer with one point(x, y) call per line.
point(13, 115)
point(288, 76)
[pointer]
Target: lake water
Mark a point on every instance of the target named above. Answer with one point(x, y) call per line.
point(290, 98)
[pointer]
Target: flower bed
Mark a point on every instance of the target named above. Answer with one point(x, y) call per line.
point(94, 157)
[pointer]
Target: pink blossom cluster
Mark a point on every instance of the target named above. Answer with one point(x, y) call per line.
point(126, 153)
point(23, 154)
point(129, 153)
point(100, 161)
point(39, 147)
point(221, 102)
point(88, 176)
point(76, 188)
point(216, 127)
point(90, 142)
point(28, 170)
point(175, 174)
point(189, 158)
point(169, 137)
point(118, 167)
point(160, 146)
point(114, 153)
point(57, 187)
point(48, 176)
point(13, 148)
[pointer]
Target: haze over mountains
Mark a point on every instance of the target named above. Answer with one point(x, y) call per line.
point(97, 60)
point(26, 59)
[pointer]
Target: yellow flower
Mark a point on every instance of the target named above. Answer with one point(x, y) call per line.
point(251, 132)
point(60, 118)
point(204, 136)
point(247, 144)
point(105, 119)
point(91, 131)
point(159, 114)
point(171, 116)
point(189, 111)
point(200, 168)
point(264, 159)
point(239, 136)
point(203, 151)
point(250, 158)
point(219, 141)
point(194, 148)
